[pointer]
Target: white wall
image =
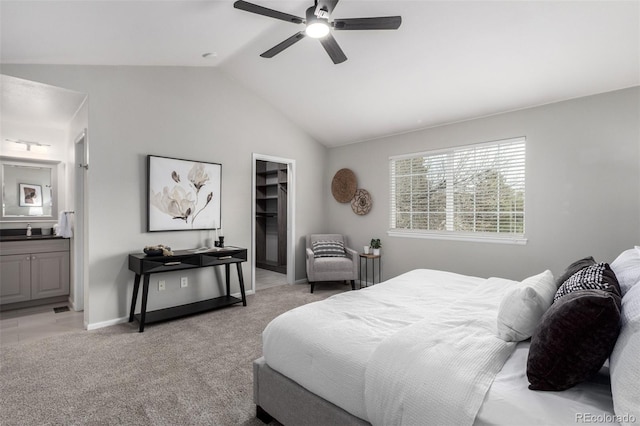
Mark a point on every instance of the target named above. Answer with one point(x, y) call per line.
point(190, 113)
point(582, 185)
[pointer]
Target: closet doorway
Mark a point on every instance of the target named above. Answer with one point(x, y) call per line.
point(272, 230)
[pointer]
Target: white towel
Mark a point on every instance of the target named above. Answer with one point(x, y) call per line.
point(65, 225)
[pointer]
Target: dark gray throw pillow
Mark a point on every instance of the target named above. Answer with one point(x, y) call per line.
point(575, 337)
point(573, 268)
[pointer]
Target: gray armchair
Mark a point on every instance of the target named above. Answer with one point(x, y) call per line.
point(332, 268)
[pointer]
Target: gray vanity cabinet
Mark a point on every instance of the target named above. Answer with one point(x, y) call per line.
point(34, 269)
point(15, 278)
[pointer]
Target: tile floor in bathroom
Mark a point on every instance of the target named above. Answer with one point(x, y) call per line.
point(34, 323)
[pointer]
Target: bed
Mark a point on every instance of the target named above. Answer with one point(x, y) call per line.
point(436, 347)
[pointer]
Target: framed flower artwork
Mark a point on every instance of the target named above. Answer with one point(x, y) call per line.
point(182, 194)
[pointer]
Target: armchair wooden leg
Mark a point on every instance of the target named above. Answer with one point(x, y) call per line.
point(312, 284)
point(353, 284)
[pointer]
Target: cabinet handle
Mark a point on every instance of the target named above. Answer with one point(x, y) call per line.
point(33, 258)
point(27, 258)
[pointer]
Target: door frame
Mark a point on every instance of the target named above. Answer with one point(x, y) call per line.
point(80, 245)
point(291, 219)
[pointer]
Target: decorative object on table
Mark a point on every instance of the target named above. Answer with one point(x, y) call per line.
point(375, 245)
point(344, 185)
point(367, 249)
point(361, 202)
point(158, 250)
point(30, 195)
point(182, 194)
point(220, 242)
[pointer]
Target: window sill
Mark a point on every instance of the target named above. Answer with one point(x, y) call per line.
point(477, 238)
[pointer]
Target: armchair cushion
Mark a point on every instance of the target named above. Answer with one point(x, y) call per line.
point(328, 249)
point(333, 265)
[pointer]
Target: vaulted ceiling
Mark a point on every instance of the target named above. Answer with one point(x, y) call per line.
point(449, 61)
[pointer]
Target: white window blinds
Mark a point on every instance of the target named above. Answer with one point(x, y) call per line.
point(472, 190)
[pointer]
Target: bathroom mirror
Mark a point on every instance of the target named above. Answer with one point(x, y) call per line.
point(29, 189)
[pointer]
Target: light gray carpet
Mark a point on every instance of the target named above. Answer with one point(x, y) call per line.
point(191, 371)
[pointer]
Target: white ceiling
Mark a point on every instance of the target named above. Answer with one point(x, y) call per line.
point(449, 61)
point(27, 102)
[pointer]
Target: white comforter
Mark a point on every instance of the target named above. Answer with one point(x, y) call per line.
point(378, 354)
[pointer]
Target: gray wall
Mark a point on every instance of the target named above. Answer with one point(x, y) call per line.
point(582, 188)
point(191, 113)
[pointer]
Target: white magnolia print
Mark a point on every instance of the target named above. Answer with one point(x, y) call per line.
point(184, 200)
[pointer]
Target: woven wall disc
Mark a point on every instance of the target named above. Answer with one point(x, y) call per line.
point(344, 185)
point(361, 202)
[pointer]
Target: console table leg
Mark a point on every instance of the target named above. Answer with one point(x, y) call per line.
point(241, 279)
point(143, 309)
point(227, 276)
point(134, 297)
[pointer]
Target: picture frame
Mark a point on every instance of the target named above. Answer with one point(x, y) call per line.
point(183, 195)
point(29, 195)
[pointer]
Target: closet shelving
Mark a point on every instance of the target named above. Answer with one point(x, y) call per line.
point(271, 216)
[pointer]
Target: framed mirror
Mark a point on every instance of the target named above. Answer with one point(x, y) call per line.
point(29, 189)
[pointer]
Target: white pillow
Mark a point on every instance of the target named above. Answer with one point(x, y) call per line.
point(624, 363)
point(523, 306)
point(544, 285)
point(519, 314)
point(631, 306)
point(627, 269)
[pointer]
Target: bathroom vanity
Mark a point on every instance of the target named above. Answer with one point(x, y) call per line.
point(33, 268)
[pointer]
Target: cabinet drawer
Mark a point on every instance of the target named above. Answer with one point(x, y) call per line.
point(33, 246)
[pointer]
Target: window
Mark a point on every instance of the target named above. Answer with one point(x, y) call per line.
point(474, 192)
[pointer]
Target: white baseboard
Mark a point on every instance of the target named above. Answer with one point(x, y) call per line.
point(122, 320)
point(96, 325)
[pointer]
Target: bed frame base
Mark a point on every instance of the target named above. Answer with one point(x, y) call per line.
point(280, 398)
point(262, 415)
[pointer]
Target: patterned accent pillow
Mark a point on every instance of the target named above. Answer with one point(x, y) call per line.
point(594, 277)
point(573, 268)
point(328, 249)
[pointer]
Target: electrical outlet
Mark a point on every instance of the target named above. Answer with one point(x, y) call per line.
point(184, 282)
point(162, 285)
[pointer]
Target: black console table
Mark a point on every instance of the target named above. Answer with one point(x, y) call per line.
point(144, 266)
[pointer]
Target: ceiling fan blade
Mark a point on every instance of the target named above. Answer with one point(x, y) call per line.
point(281, 46)
point(333, 49)
point(379, 23)
point(328, 4)
point(254, 8)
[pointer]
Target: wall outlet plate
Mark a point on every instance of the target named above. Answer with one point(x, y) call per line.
point(184, 282)
point(162, 285)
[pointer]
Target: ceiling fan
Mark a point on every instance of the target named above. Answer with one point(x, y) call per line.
point(319, 26)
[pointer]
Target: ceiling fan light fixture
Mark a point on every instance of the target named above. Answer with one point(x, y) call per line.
point(317, 29)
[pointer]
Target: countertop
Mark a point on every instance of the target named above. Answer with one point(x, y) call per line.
point(7, 238)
